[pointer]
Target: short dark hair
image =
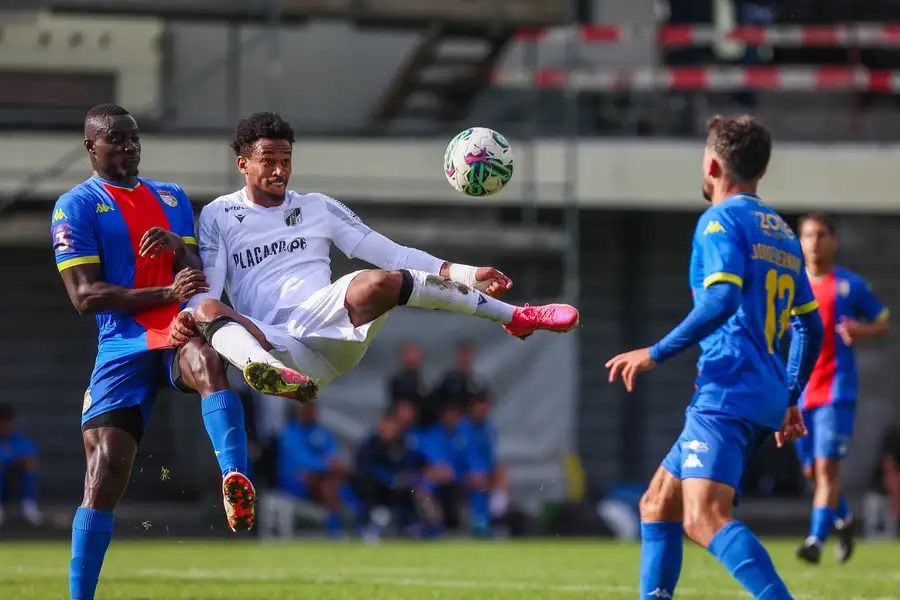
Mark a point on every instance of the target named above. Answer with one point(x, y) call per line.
point(818, 217)
point(100, 113)
point(258, 126)
point(742, 144)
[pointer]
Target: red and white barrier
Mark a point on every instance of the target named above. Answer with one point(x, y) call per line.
point(789, 79)
point(862, 35)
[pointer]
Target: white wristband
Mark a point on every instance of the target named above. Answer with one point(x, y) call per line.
point(463, 274)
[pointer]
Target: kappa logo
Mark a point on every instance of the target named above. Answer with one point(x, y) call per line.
point(59, 215)
point(293, 217)
point(713, 227)
point(104, 208)
point(695, 446)
point(660, 593)
point(168, 198)
point(692, 462)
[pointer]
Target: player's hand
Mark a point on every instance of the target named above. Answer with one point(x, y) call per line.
point(157, 240)
point(492, 281)
point(182, 329)
point(849, 330)
point(628, 365)
point(793, 427)
point(188, 283)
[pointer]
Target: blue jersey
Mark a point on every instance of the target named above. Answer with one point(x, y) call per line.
point(304, 449)
point(741, 371)
point(482, 446)
point(101, 222)
point(14, 448)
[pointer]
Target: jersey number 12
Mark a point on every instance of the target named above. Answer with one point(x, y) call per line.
point(779, 288)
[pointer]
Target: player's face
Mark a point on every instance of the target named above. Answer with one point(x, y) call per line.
point(307, 413)
point(708, 180)
point(268, 167)
point(116, 149)
point(480, 410)
point(819, 245)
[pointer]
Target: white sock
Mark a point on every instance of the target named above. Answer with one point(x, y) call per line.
point(433, 291)
point(499, 503)
point(239, 346)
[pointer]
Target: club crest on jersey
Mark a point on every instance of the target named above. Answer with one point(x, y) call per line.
point(293, 217)
point(168, 198)
point(240, 217)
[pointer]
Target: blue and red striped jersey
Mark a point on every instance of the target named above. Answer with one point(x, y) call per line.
point(102, 222)
point(841, 294)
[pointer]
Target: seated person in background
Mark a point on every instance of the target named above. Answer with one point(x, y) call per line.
point(309, 466)
point(18, 466)
point(389, 477)
point(446, 449)
point(407, 385)
point(460, 384)
point(486, 478)
point(890, 472)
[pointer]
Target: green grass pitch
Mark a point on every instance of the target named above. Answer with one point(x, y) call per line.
point(405, 570)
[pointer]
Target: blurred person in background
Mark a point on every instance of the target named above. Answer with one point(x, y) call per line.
point(18, 467)
point(389, 480)
point(486, 478)
point(850, 313)
point(309, 466)
point(407, 385)
point(125, 250)
point(446, 449)
point(460, 384)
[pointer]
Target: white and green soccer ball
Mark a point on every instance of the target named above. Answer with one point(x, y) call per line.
point(478, 162)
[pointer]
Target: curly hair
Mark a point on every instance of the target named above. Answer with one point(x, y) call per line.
point(258, 126)
point(742, 143)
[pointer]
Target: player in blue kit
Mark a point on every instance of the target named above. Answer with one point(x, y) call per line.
point(749, 287)
point(126, 253)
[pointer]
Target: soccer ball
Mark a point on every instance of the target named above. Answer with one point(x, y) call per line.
point(478, 162)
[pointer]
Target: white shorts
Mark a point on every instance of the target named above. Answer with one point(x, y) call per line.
point(317, 338)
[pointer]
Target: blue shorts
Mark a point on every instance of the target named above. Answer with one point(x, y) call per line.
point(830, 428)
point(126, 381)
point(714, 445)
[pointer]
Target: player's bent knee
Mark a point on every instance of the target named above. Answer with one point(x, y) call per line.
point(203, 367)
point(210, 309)
point(655, 506)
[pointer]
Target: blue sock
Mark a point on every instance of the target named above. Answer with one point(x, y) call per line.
point(743, 555)
point(333, 524)
point(479, 507)
point(28, 484)
point(662, 545)
point(842, 513)
point(91, 532)
point(223, 415)
point(821, 523)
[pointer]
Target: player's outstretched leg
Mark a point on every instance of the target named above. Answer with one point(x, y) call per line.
point(372, 293)
point(662, 538)
point(110, 453)
point(708, 521)
point(202, 369)
point(242, 343)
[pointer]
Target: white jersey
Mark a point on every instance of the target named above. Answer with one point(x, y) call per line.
point(276, 257)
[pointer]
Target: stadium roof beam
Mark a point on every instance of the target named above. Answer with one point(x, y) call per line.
point(412, 13)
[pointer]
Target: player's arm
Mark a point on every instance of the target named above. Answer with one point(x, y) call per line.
point(89, 293)
point(873, 319)
point(357, 240)
point(719, 248)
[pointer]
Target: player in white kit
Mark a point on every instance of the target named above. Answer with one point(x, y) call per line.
point(292, 331)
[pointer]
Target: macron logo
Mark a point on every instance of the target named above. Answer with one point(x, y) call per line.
point(660, 593)
point(713, 227)
point(692, 462)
